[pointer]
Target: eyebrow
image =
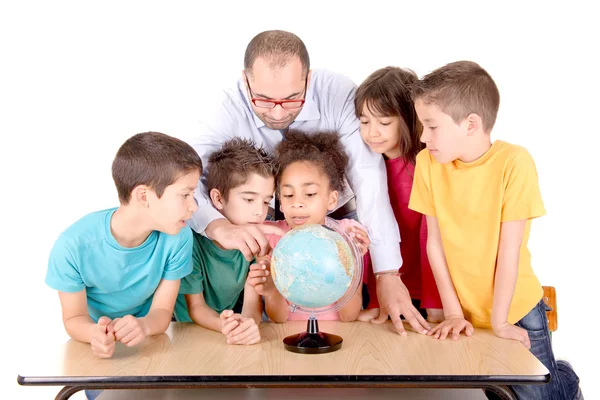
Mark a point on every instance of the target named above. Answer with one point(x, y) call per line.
point(428, 120)
point(190, 188)
point(270, 98)
point(303, 185)
point(250, 192)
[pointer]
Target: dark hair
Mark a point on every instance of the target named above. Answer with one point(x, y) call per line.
point(277, 46)
point(459, 89)
point(387, 93)
point(231, 165)
point(153, 159)
point(323, 149)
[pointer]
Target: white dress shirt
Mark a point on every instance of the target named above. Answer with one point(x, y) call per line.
point(329, 106)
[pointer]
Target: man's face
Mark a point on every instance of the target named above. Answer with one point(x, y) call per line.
point(279, 83)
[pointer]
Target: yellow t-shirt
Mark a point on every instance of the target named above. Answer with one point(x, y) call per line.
point(470, 202)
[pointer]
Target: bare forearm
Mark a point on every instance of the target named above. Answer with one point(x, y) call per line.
point(256, 316)
point(80, 328)
point(443, 280)
point(213, 227)
point(252, 305)
point(276, 308)
point(350, 311)
point(507, 270)
point(206, 317)
point(156, 321)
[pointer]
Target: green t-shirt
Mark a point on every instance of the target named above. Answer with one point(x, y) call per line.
point(219, 274)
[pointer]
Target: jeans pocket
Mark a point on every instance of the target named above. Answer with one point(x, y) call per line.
point(536, 322)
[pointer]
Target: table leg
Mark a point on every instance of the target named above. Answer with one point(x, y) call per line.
point(502, 392)
point(68, 391)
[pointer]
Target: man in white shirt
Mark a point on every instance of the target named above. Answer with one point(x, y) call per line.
point(279, 91)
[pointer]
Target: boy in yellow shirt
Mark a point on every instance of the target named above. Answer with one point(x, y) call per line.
point(479, 198)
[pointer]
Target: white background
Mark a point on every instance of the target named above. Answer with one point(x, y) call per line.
point(79, 78)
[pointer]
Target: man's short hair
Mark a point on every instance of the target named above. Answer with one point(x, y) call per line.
point(277, 46)
point(153, 159)
point(231, 165)
point(459, 89)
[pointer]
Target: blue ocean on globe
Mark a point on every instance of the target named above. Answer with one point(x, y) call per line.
point(312, 266)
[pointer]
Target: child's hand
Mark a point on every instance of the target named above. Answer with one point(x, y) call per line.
point(229, 321)
point(103, 342)
point(361, 237)
point(260, 278)
point(128, 330)
point(246, 332)
point(452, 324)
point(512, 332)
point(368, 315)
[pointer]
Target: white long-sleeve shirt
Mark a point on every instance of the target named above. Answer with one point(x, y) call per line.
point(329, 106)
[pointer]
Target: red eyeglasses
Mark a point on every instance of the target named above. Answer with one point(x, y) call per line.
point(286, 104)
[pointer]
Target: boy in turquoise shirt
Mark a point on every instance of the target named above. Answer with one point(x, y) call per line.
point(117, 271)
point(241, 183)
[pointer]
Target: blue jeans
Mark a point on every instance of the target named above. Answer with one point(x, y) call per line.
point(564, 382)
point(91, 394)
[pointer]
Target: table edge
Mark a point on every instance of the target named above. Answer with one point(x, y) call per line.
point(282, 380)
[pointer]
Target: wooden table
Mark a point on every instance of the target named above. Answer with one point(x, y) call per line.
point(188, 356)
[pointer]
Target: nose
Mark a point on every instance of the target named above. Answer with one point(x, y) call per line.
point(258, 211)
point(373, 131)
point(298, 204)
point(278, 113)
point(425, 138)
point(193, 206)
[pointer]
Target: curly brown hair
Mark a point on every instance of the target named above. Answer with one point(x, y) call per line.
point(323, 149)
point(231, 165)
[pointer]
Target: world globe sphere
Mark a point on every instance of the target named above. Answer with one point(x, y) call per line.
point(317, 268)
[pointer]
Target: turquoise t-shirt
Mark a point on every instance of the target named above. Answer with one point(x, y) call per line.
point(219, 274)
point(118, 280)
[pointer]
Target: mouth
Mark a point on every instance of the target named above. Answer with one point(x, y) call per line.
point(277, 121)
point(299, 220)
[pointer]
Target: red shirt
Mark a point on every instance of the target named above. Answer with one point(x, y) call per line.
point(415, 271)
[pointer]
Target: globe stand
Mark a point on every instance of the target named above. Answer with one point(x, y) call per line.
point(312, 341)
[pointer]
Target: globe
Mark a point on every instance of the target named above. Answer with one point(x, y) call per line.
point(317, 269)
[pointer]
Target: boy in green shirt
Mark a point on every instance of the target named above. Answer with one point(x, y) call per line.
point(241, 183)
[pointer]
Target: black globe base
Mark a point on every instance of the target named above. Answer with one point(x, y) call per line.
point(312, 341)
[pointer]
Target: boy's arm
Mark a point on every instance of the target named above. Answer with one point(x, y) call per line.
point(454, 319)
point(159, 317)
point(507, 271)
point(439, 267)
point(81, 327)
point(252, 307)
point(76, 318)
point(201, 313)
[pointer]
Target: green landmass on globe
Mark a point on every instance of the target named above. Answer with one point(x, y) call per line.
point(312, 266)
